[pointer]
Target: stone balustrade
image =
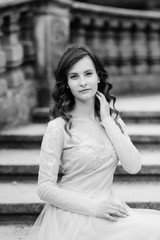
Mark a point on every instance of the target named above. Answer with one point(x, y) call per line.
point(34, 34)
point(127, 41)
point(17, 60)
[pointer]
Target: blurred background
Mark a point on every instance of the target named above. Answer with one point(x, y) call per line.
point(33, 35)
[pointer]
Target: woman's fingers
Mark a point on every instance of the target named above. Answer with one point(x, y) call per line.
point(102, 95)
point(112, 211)
point(120, 209)
point(102, 98)
point(111, 218)
point(118, 214)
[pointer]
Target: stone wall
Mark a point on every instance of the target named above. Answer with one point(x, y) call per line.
point(33, 36)
point(17, 98)
point(18, 86)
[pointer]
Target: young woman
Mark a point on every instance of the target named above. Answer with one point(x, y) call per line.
point(85, 141)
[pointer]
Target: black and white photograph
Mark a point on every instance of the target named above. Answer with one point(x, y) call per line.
point(79, 120)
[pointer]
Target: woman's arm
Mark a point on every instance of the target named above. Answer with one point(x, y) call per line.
point(126, 151)
point(48, 189)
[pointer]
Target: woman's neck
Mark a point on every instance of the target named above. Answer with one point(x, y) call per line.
point(84, 109)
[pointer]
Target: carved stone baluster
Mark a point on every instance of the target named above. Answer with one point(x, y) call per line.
point(3, 82)
point(125, 47)
point(26, 33)
point(2, 53)
point(111, 48)
point(140, 50)
point(75, 22)
point(154, 48)
point(80, 35)
point(94, 39)
point(11, 44)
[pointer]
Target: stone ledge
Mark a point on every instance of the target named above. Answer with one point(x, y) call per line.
point(23, 164)
point(30, 136)
point(21, 197)
point(41, 115)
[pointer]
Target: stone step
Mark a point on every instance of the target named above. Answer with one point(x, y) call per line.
point(134, 108)
point(30, 136)
point(14, 231)
point(23, 164)
point(140, 108)
point(19, 201)
point(141, 117)
point(140, 103)
point(19, 163)
point(41, 115)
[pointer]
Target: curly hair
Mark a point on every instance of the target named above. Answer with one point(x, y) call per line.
point(64, 101)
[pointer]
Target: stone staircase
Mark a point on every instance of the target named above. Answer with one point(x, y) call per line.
point(19, 159)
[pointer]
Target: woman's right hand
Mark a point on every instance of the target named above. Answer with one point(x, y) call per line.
point(111, 211)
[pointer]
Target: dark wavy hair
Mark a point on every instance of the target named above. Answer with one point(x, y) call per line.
point(63, 99)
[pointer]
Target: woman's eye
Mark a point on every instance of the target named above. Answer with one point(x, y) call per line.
point(73, 76)
point(89, 73)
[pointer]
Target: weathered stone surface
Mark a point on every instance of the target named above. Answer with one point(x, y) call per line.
point(14, 55)
point(30, 92)
point(16, 105)
point(15, 78)
point(3, 87)
point(135, 84)
point(2, 60)
point(8, 109)
point(18, 95)
point(14, 231)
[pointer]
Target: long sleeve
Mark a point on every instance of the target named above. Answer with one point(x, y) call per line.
point(48, 190)
point(127, 153)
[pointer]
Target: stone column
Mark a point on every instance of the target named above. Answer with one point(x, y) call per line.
point(125, 47)
point(140, 50)
point(11, 44)
point(2, 53)
point(52, 31)
point(154, 48)
point(111, 47)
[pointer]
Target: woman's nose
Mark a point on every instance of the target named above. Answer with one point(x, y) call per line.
point(83, 82)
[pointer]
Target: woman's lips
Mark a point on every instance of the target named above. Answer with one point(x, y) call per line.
point(84, 90)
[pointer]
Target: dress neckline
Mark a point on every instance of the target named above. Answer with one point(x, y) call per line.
point(84, 117)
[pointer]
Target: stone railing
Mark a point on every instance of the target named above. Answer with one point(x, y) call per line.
point(34, 33)
point(17, 56)
point(127, 41)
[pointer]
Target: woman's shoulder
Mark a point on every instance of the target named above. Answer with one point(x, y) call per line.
point(58, 122)
point(54, 131)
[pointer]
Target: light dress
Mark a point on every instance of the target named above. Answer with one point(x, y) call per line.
point(88, 165)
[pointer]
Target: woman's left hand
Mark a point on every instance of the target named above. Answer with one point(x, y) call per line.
point(104, 106)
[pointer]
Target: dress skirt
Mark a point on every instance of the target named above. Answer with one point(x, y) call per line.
point(57, 224)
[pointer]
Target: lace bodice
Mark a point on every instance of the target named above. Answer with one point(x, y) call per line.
point(87, 164)
point(94, 153)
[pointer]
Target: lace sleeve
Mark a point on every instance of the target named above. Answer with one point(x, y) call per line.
point(126, 151)
point(122, 126)
point(48, 190)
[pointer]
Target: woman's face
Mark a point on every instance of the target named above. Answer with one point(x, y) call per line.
point(83, 79)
